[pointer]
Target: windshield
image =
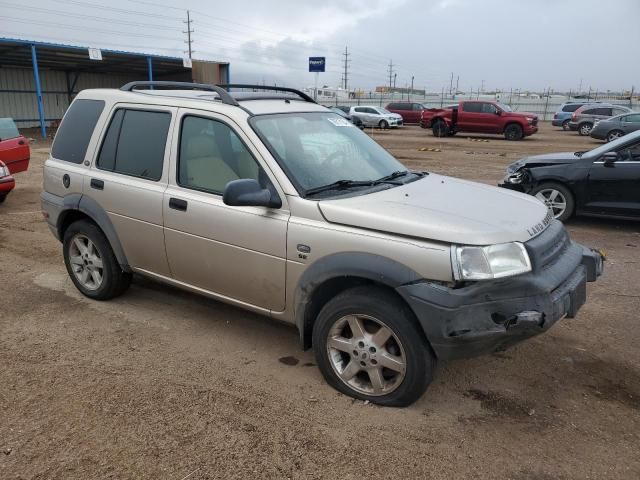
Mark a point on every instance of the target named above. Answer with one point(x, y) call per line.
point(321, 148)
point(383, 111)
point(614, 145)
point(504, 107)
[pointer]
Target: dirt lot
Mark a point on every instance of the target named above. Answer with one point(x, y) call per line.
point(164, 384)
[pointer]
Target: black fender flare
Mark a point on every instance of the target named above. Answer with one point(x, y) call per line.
point(93, 210)
point(366, 266)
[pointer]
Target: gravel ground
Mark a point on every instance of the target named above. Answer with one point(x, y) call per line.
point(163, 384)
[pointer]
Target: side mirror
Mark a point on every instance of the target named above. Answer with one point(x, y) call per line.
point(498, 112)
point(247, 192)
point(610, 158)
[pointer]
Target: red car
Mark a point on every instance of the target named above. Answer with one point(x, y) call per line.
point(6, 182)
point(410, 111)
point(479, 116)
point(14, 148)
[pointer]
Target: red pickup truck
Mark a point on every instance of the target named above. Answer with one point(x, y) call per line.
point(479, 116)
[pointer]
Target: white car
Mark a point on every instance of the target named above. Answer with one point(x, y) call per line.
point(376, 116)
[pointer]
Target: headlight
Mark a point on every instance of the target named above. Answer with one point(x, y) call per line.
point(4, 171)
point(515, 178)
point(492, 261)
point(530, 120)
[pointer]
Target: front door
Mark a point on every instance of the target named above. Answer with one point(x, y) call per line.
point(238, 253)
point(614, 189)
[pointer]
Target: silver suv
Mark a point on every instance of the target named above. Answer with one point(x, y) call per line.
point(275, 204)
point(376, 116)
point(585, 117)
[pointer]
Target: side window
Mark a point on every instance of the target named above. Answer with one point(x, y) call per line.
point(371, 111)
point(635, 118)
point(360, 109)
point(417, 107)
point(605, 111)
point(394, 106)
point(619, 111)
point(472, 107)
point(212, 155)
point(571, 107)
point(630, 153)
point(135, 143)
point(76, 129)
point(489, 108)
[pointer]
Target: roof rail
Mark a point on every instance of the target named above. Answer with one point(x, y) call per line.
point(302, 95)
point(222, 93)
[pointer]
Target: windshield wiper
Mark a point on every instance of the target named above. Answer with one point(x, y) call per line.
point(579, 154)
point(339, 185)
point(392, 176)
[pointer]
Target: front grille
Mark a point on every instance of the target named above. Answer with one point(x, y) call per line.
point(545, 249)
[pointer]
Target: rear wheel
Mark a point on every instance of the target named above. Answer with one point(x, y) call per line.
point(513, 132)
point(91, 263)
point(440, 129)
point(383, 124)
point(367, 346)
point(565, 126)
point(614, 135)
point(584, 129)
point(557, 197)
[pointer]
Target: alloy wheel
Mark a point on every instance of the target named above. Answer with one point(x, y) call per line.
point(585, 129)
point(554, 199)
point(614, 135)
point(86, 262)
point(366, 355)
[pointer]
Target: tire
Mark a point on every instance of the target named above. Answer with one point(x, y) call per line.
point(565, 126)
point(405, 350)
point(556, 193)
point(440, 129)
point(451, 133)
point(3, 197)
point(383, 124)
point(513, 132)
point(614, 135)
point(100, 283)
point(584, 129)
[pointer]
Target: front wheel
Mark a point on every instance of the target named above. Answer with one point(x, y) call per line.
point(513, 132)
point(367, 346)
point(383, 124)
point(565, 126)
point(440, 129)
point(91, 263)
point(558, 198)
point(585, 129)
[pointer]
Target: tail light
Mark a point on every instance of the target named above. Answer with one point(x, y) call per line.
point(555, 116)
point(573, 116)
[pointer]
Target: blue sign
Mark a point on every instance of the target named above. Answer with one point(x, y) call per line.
point(316, 64)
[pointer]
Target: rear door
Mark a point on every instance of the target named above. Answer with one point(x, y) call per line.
point(129, 177)
point(615, 189)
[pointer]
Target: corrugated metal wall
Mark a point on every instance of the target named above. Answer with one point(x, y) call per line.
point(18, 92)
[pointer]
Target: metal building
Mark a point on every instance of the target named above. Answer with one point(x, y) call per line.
point(38, 80)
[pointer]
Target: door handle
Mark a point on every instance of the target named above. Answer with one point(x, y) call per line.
point(97, 184)
point(20, 142)
point(178, 204)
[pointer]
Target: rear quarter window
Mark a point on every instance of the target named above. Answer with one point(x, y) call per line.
point(8, 129)
point(76, 129)
point(571, 108)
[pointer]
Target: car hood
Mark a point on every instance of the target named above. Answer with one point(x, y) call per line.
point(443, 209)
point(521, 114)
point(541, 160)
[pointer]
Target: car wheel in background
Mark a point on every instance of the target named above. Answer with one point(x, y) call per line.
point(557, 197)
point(513, 132)
point(383, 124)
point(440, 129)
point(614, 135)
point(565, 126)
point(584, 129)
point(367, 345)
point(91, 264)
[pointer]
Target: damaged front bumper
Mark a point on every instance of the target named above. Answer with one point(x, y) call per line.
point(482, 317)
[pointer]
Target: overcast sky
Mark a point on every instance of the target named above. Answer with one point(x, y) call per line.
point(526, 44)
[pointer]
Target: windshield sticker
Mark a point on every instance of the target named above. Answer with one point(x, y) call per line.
point(340, 122)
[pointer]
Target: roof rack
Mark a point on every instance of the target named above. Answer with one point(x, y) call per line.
point(300, 94)
point(222, 93)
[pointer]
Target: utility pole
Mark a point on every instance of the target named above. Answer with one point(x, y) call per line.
point(451, 84)
point(410, 91)
point(189, 31)
point(345, 75)
point(390, 71)
point(395, 76)
point(482, 86)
